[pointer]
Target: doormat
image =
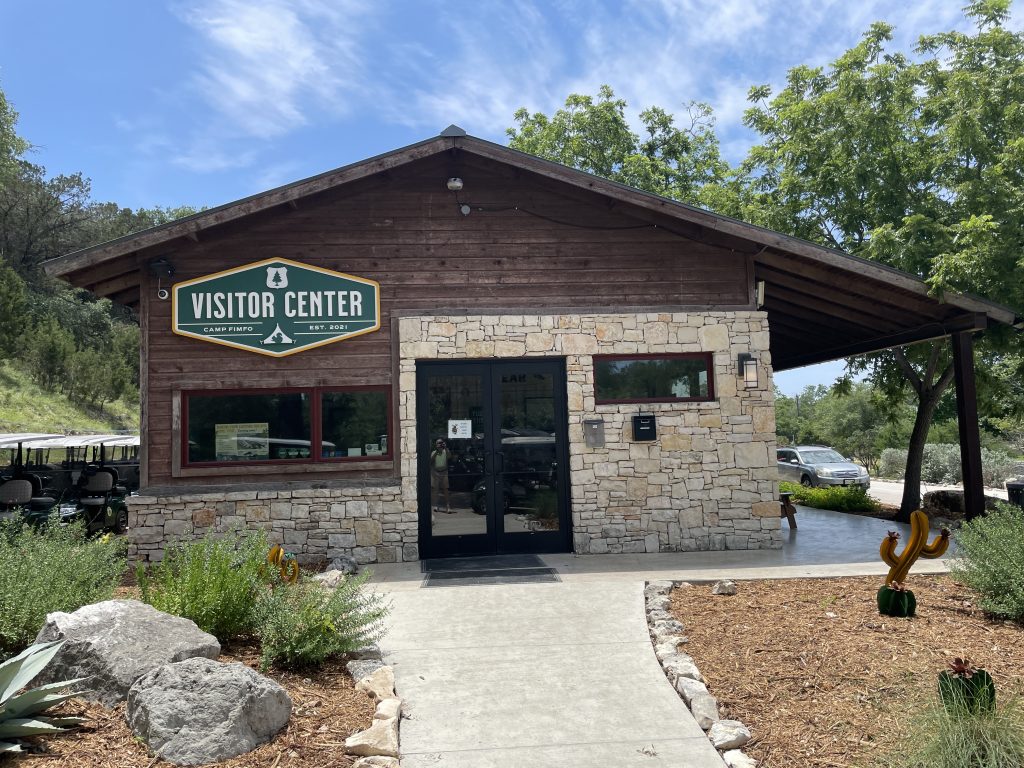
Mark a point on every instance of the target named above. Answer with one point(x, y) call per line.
point(485, 563)
point(495, 576)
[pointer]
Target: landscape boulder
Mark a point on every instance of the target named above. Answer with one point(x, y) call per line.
point(728, 734)
point(202, 711)
point(116, 642)
point(347, 565)
point(949, 505)
point(725, 587)
point(381, 738)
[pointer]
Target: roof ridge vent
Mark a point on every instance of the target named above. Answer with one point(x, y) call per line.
point(453, 130)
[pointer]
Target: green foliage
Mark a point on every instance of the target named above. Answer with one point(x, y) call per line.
point(941, 464)
point(990, 560)
point(593, 135)
point(840, 498)
point(915, 161)
point(21, 714)
point(13, 308)
point(53, 569)
point(215, 581)
point(961, 737)
point(303, 624)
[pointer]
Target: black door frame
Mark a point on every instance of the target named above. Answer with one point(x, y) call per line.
point(495, 540)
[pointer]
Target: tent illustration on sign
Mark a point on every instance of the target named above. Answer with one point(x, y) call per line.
point(278, 337)
point(277, 277)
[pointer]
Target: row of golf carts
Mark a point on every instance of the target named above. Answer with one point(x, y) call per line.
point(77, 477)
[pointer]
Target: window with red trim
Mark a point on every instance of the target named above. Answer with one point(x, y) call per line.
point(664, 378)
point(316, 424)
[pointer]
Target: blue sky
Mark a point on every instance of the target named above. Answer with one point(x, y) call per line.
point(200, 103)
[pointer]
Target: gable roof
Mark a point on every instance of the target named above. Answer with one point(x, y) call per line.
point(822, 303)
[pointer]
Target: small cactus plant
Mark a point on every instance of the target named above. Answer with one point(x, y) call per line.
point(894, 599)
point(964, 688)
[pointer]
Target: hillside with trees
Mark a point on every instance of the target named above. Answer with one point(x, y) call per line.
point(70, 360)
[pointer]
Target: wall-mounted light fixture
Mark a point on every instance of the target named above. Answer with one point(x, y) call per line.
point(747, 366)
point(759, 293)
point(161, 269)
point(454, 184)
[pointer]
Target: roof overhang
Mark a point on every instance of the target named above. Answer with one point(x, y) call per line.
point(822, 304)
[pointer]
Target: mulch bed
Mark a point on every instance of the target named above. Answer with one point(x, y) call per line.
point(326, 709)
point(820, 678)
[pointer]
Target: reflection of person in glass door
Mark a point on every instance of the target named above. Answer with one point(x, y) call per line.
point(439, 476)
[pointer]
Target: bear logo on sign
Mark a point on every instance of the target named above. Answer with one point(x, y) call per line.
point(277, 277)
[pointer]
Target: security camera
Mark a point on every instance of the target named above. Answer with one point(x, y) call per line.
point(454, 184)
point(163, 294)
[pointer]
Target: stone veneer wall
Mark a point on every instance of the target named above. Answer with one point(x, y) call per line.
point(367, 523)
point(707, 483)
point(710, 480)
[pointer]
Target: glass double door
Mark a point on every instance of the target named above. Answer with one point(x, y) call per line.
point(493, 457)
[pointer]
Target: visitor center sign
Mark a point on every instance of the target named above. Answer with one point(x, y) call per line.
point(276, 307)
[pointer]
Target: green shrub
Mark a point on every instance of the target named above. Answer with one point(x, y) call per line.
point(849, 498)
point(962, 737)
point(54, 568)
point(941, 464)
point(990, 560)
point(215, 581)
point(303, 624)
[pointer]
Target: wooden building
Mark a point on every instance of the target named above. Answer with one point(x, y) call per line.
point(596, 361)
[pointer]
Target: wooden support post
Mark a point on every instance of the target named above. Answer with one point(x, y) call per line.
point(967, 418)
point(788, 510)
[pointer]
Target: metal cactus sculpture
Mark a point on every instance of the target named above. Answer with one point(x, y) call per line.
point(894, 599)
point(966, 688)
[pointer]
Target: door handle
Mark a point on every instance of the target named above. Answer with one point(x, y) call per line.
point(499, 462)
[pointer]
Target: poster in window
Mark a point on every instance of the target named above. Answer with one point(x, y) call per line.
point(242, 442)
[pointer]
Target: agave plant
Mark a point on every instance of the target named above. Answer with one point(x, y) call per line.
point(20, 713)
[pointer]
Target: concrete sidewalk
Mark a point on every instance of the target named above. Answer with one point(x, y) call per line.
point(527, 675)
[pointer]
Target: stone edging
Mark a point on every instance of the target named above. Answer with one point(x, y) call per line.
point(667, 634)
point(378, 745)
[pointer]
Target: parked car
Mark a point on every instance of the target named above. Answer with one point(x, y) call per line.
point(815, 466)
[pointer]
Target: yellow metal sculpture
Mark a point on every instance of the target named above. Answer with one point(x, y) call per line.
point(285, 563)
point(917, 546)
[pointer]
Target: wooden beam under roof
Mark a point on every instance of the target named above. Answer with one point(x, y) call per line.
point(970, 322)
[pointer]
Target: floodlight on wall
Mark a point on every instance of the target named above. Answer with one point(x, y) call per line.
point(747, 369)
point(454, 184)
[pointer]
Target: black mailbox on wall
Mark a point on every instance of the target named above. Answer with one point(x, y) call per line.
point(645, 427)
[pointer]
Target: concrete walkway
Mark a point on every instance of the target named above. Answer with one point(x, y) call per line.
point(525, 675)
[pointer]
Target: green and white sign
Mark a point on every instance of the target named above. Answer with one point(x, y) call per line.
point(275, 307)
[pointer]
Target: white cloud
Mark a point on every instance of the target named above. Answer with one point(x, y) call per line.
point(266, 63)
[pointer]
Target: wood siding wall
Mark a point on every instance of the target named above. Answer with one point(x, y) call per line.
point(406, 232)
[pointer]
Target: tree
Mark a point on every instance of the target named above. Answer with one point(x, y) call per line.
point(13, 311)
point(12, 146)
point(593, 135)
point(918, 163)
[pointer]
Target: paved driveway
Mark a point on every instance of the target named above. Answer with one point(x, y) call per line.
point(891, 491)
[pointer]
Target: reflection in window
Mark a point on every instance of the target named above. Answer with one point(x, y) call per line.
point(653, 378)
point(354, 424)
point(243, 427)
